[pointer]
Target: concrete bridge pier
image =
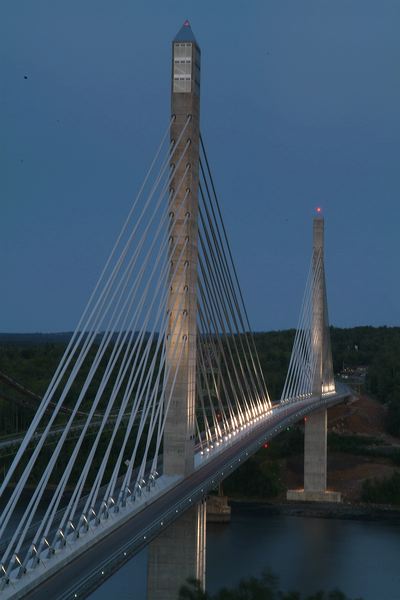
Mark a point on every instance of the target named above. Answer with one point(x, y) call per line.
point(315, 463)
point(177, 554)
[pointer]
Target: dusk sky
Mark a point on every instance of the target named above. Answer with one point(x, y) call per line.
point(300, 108)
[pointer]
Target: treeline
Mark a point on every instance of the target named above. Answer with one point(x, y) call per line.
point(32, 359)
point(377, 348)
point(255, 588)
point(32, 364)
point(382, 491)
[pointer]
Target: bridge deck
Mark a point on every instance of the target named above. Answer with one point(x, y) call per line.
point(81, 567)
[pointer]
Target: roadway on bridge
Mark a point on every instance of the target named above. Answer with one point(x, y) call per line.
point(83, 573)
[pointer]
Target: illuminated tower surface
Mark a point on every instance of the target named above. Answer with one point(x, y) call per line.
point(179, 552)
point(182, 302)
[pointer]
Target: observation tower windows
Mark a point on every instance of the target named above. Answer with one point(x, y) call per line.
point(182, 67)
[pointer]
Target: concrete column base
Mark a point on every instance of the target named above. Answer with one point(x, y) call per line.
point(178, 553)
point(218, 509)
point(313, 496)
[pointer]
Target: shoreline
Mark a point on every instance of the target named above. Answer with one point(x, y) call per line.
point(325, 510)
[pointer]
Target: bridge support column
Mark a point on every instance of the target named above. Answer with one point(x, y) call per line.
point(315, 461)
point(178, 553)
point(315, 429)
point(179, 429)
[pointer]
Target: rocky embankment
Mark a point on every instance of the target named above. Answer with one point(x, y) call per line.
point(357, 425)
point(361, 455)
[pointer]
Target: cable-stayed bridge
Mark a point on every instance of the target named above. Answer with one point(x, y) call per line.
point(164, 362)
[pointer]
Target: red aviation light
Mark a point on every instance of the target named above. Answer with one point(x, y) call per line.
point(266, 445)
point(186, 23)
point(319, 210)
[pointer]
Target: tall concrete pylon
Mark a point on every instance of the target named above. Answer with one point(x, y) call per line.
point(179, 552)
point(182, 303)
point(315, 428)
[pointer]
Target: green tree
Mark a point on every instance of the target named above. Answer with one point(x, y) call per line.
point(255, 588)
point(386, 490)
point(192, 591)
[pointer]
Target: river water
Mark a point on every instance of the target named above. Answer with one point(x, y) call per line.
point(361, 558)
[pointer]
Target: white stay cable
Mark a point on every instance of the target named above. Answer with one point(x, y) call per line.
point(172, 387)
point(300, 352)
point(227, 290)
point(286, 392)
point(140, 387)
point(202, 371)
point(211, 305)
point(226, 315)
point(58, 493)
point(203, 376)
point(223, 234)
point(156, 410)
point(113, 359)
point(123, 368)
point(303, 372)
point(74, 343)
point(91, 499)
point(131, 463)
point(30, 510)
point(22, 480)
point(62, 369)
point(203, 316)
point(299, 365)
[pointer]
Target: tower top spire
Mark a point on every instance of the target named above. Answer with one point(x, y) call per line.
point(185, 34)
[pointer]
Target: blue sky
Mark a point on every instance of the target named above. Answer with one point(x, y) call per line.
point(300, 108)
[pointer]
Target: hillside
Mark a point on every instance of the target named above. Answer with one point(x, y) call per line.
point(364, 435)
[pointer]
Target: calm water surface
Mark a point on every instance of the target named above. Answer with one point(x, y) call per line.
point(361, 558)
